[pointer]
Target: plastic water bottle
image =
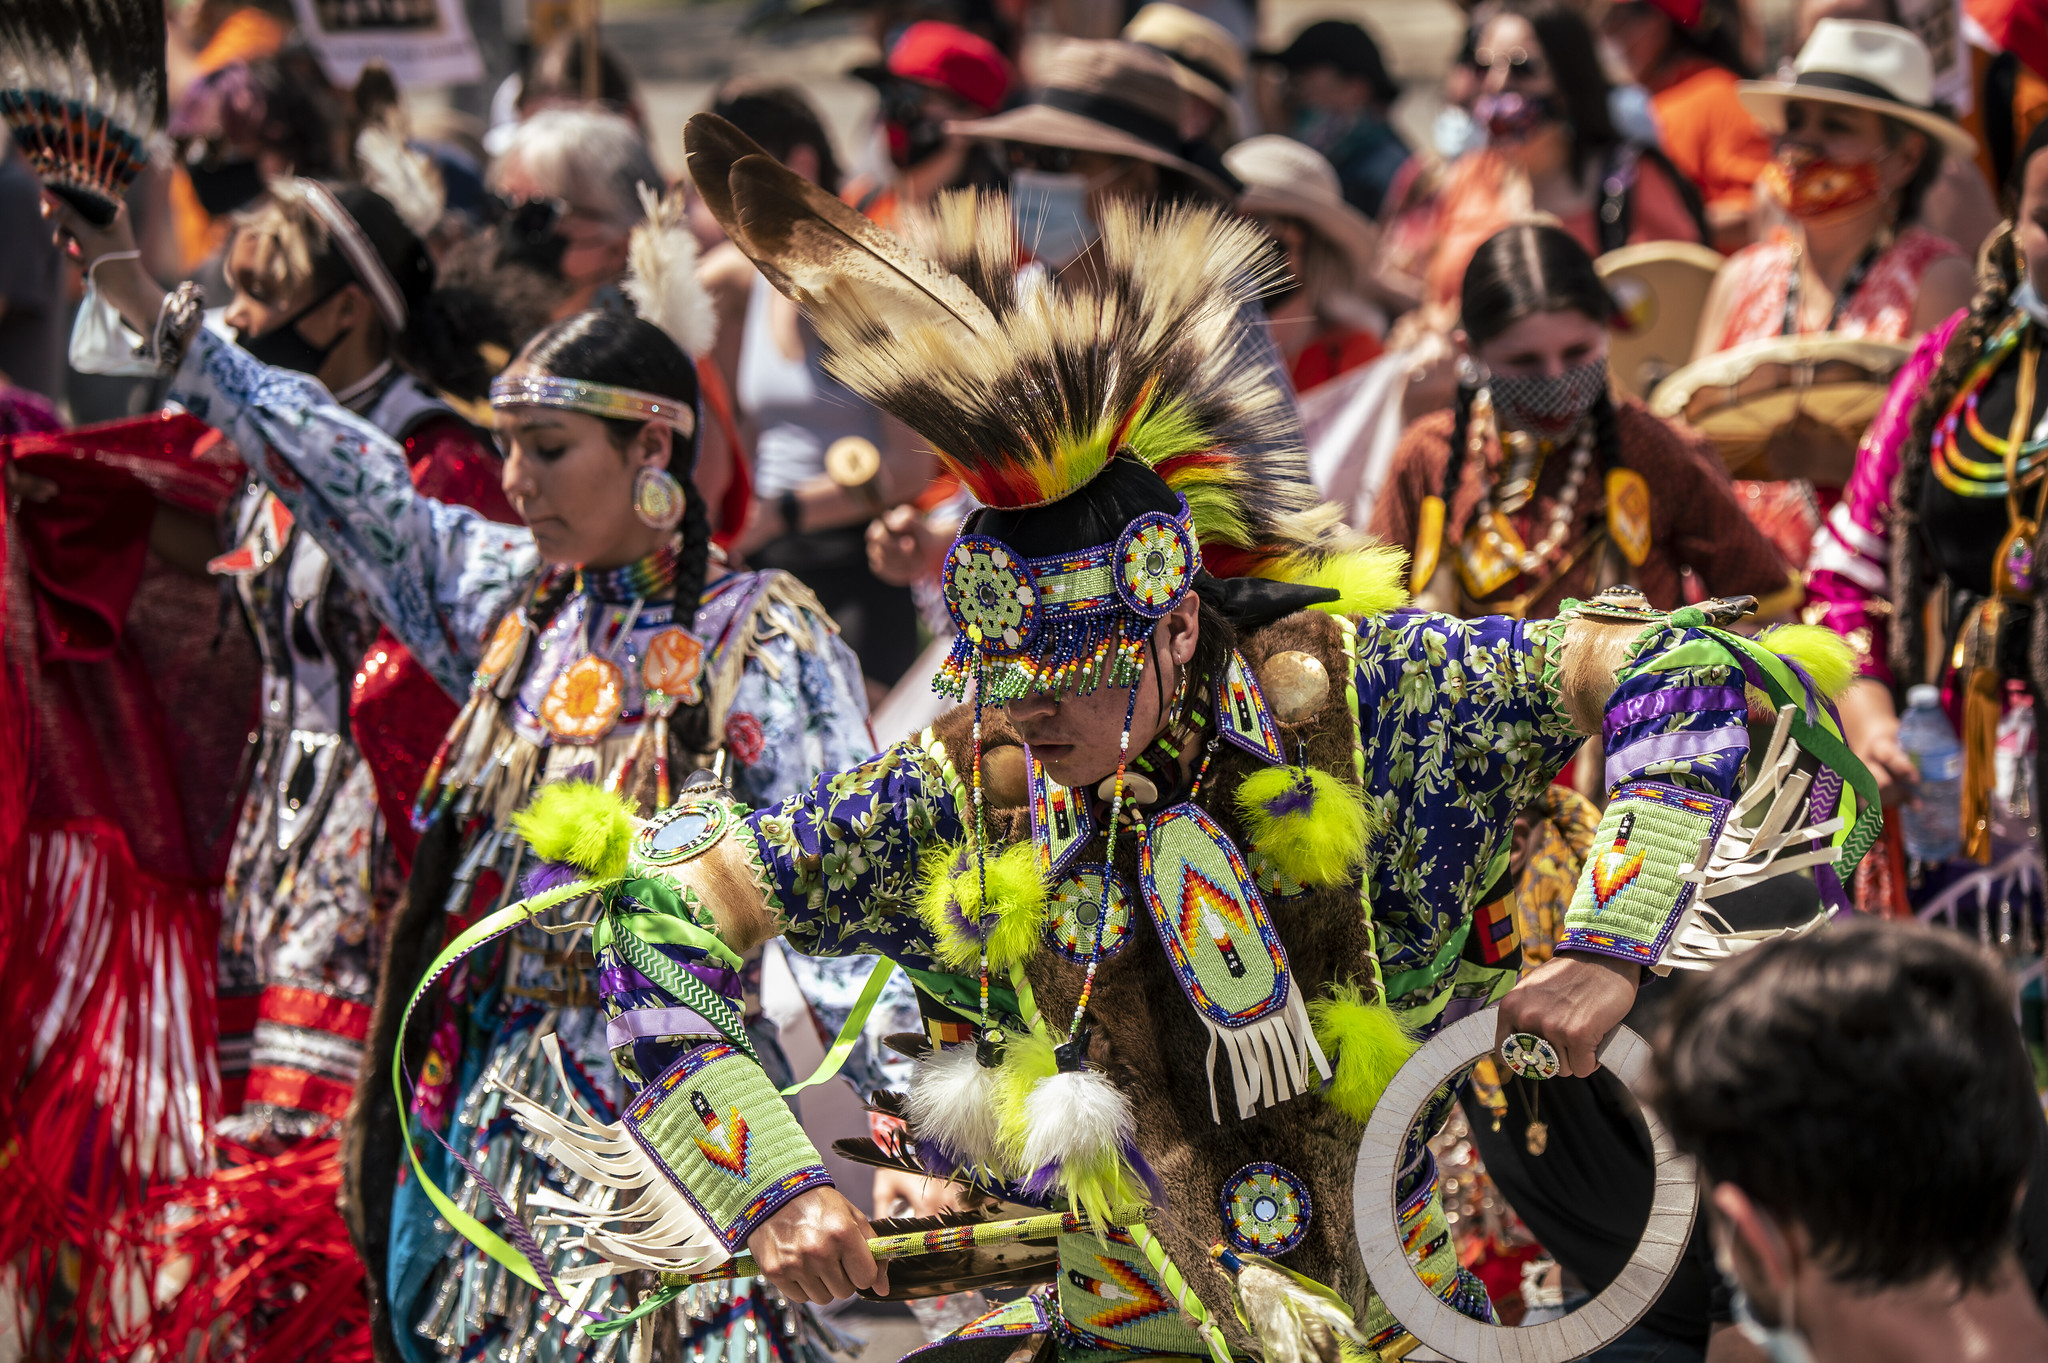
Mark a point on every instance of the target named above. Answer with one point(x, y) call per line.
point(1932, 825)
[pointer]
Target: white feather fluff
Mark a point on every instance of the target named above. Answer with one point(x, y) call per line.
point(1077, 1116)
point(661, 276)
point(403, 176)
point(1293, 1323)
point(952, 1104)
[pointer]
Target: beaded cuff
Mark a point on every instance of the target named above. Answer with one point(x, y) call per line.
point(1637, 882)
point(726, 1138)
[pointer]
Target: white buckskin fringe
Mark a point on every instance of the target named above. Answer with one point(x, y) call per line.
point(657, 1230)
point(1270, 1059)
point(1744, 856)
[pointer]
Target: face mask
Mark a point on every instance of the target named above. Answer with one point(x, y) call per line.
point(1323, 129)
point(1456, 132)
point(1512, 118)
point(101, 342)
point(1549, 404)
point(282, 347)
point(225, 187)
point(914, 140)
point(1781, 1343)
point(530, 235)
point(2027, 300)
point(1051, 212)
point(1813, 188)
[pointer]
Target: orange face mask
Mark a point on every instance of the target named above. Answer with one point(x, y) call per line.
point(1812, 188)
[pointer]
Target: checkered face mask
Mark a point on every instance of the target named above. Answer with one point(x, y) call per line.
point(1549, 404)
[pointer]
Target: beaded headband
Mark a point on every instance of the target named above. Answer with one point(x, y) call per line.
point(593, 399)
point(1065, 623)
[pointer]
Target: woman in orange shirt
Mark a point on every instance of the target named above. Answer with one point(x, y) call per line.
point(1552, 149)
point(1688, 55)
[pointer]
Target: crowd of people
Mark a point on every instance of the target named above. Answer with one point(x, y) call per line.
point(486, 607)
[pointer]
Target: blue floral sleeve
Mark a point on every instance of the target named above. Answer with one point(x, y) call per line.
point(839, 863)
point(1460, 731)
point(436, 574)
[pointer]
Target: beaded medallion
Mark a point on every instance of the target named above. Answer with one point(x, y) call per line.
point(1265, 1209)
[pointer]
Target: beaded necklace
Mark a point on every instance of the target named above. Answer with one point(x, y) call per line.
point(2001, 476)
point(1495, 535)
point(640, 580)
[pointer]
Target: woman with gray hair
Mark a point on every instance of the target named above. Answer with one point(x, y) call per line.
point(572, 178)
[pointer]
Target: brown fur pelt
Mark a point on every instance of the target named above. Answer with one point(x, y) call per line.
point(1150, 1041)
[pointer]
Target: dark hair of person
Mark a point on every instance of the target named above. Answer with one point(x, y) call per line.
point(1814, 1070)
point(1518, 272)
point(556, 72)
point(1913, 194)
point(301, 119)
point(613, 346)
point(1582, 85)
point(781, 119)
point(1717, 37)
point(1997, 278)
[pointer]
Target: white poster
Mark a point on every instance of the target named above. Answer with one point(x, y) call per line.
point(424, 42)
point(1939, 24)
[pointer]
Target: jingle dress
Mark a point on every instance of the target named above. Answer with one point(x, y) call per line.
point(787, 703)
point(316, 853)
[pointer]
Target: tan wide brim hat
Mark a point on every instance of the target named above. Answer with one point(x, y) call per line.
point(1106, 96)
point(1284, 178)
point(1208, 64)
point(1860, 65)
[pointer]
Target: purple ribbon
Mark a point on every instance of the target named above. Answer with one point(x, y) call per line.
point(1624, 764)
point(635, 1023)
point(616, 977)
point(1624, 714)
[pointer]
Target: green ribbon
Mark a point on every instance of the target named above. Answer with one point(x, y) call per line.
point(487, 929)
point(851, 1030)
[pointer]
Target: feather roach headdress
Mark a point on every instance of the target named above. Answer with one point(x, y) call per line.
point(82, 86)
point(1030, 392)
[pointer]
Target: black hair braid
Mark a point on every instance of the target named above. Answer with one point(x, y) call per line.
point(1454, 462)
point(1909, 568)
point(690, 728)
point(1606, 433)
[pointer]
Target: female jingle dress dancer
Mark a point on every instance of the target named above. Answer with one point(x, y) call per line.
point(565, 637)
point(1186, 813)
point(1945, 505)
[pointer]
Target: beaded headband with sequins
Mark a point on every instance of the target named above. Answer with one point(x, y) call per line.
point(593, 399)
point(1065, 623)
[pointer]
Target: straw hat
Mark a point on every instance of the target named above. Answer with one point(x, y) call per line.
point(1103, 95)
point(1863, 65)
point(1284, 178)
point(1207, 62)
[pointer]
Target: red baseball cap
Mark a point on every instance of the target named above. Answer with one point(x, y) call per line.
point(953, 59)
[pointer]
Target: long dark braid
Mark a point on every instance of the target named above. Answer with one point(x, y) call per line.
point(1909, 569)
point(1454, 464)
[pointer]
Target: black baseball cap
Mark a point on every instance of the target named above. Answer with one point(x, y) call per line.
point(1338, 43)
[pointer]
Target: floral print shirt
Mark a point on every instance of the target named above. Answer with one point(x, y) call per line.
point(1462, 725)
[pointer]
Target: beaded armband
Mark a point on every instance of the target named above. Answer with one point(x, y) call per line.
point(719, 1129)
point(1640, 878)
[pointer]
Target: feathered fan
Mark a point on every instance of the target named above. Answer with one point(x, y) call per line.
point(82, 86)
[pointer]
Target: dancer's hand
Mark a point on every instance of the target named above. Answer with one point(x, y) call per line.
point(1573, 1001)
point(815, 1249)
point(124, 283)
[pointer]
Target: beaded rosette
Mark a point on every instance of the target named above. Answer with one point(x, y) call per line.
point(1067, 623)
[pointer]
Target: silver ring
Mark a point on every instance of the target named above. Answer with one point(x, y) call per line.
point(1530, 1056)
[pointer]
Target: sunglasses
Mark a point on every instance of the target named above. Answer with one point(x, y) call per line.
point(1520, 62)
point(1051, 160)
